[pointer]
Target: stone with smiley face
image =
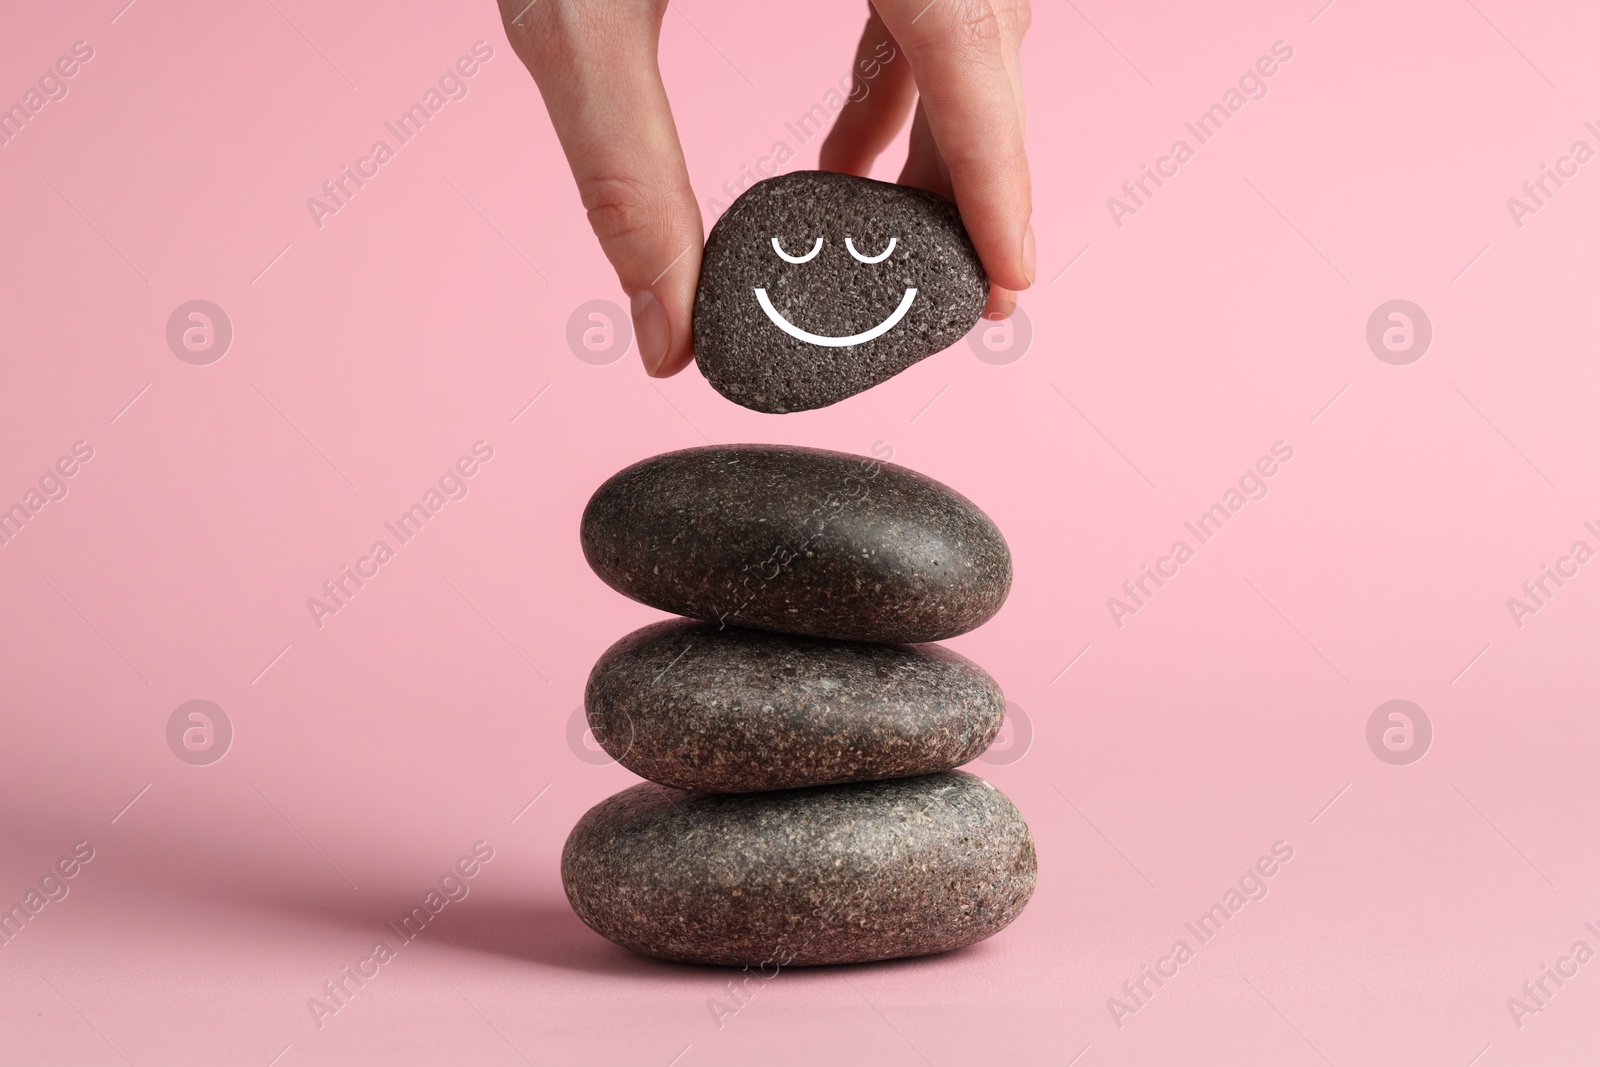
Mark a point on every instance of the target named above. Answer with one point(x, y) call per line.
point(818, 286)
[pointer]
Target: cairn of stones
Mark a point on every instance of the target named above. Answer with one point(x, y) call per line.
point(797, 726)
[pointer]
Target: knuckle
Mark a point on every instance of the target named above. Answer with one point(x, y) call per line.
point(1018, 17)
point(976, 23)
point(972, 31)
point(553, 32)
point(619, 207)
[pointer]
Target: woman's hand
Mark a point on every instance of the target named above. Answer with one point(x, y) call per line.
point(595, 65)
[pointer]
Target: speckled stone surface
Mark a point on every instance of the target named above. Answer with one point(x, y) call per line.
point(836, 874)
point(697, 706)
point(798, 540)
point(749, 358)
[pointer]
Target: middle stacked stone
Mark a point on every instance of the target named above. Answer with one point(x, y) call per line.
point(699, 706)
point(812, 582)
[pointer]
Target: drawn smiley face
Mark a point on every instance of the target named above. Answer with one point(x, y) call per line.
point(815, 286)
point(822, 339)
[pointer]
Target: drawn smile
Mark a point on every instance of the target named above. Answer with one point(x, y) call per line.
point(836, 342)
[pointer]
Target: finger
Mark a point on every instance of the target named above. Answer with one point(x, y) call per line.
point(962, 53)
point(925, 169)
point(595, 64)
point(1015, 17)
point(1002, 302)
point(881, 94)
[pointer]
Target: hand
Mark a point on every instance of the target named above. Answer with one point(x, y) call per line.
point(966, 137)
point(595, 65)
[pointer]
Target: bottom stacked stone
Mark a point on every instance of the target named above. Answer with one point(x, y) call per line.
point(798, 877)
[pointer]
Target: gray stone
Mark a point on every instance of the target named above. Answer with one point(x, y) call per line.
point(798, 540)
point(697, 706)
point(750, 358)
point(836, 874)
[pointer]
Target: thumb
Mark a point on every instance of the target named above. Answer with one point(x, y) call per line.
point(595, 65)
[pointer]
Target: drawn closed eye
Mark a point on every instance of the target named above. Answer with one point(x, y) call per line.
point(879, 258)
point(787, 258)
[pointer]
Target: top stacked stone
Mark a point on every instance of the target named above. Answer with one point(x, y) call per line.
point(798, 540)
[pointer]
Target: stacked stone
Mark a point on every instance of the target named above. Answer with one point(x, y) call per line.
point(798, 730)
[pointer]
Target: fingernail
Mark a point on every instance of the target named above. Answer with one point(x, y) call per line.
point(1029, 254)
point(650, 329)
point(1001, 305)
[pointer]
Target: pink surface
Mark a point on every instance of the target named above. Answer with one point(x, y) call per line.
point(1167, 754)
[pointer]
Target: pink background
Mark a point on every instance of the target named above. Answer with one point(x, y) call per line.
point(1166, 356)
